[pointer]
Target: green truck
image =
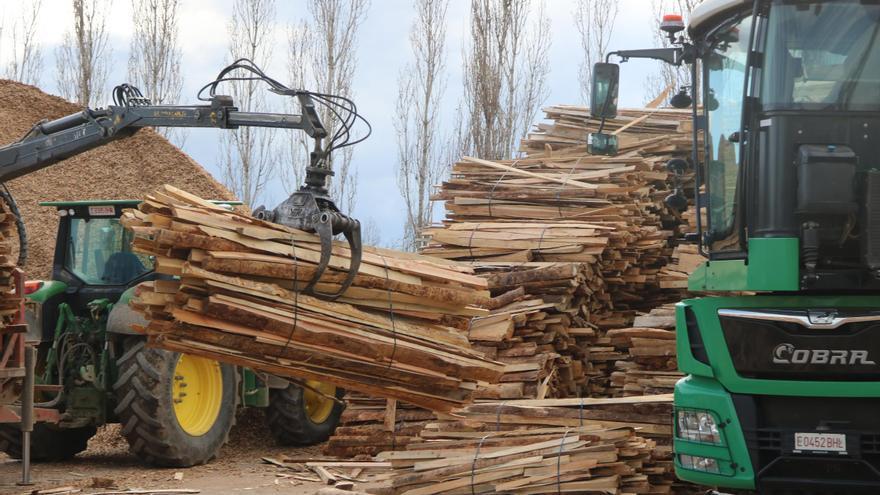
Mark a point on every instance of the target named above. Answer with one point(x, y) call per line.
point(782, 391)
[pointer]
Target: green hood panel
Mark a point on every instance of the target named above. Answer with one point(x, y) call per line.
point(721, 365)
point(773, 265)
point(49, 289)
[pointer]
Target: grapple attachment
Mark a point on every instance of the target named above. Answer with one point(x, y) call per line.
point(313, 211)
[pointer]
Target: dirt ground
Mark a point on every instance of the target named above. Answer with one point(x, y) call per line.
point(108, 464)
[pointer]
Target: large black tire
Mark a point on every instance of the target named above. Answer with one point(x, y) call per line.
point(48, 442)
point(145, 410)
point(290, 423)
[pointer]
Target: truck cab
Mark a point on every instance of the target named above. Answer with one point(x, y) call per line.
point(783, 382)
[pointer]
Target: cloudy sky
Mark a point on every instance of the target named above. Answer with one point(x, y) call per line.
point(383, 49)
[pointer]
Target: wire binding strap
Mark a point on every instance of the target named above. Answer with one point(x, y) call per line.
point(562, 187)
point(471, 241)
point(391, 313)
point(498, 416)
point(540, 242)
point(492, 192)
point(295, 298)
point(581, 412)
point(474, 464)
point(559, 464)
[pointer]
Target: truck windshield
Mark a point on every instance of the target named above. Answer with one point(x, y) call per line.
point(822, 56)
point(725, 70)
point(99, 252)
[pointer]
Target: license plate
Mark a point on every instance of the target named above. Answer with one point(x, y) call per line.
point(819, 442)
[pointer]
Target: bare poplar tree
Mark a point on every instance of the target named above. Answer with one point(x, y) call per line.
point(322, 57)
point(154, 59)
point(81, 60)
point(248, 155)
point(668, 75)
point(27, 55)
point(371, 234)
point(505, 73)
point(417, 117)
point(595, 22)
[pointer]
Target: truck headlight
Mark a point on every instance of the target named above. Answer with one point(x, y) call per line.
point(696, 463)
point(698, 426)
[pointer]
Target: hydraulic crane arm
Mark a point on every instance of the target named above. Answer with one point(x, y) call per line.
point(50, 142)
point(310, 208)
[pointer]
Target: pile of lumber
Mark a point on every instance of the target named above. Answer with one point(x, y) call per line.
point(646, 361)
point(534, 447)
point(560, 204)
point(587, 239)
point(238, 299)
point(11, 338)
point(9, 300)
point(370, 425)
point(537, 318)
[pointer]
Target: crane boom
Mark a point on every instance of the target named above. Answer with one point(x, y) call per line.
point(49, 142)
point(310, 208)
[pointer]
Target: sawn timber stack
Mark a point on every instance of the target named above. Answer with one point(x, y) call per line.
point(534, 447)
point(396, 333)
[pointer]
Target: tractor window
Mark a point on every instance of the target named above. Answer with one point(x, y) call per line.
point(823, 56)
point(99, 252)
point(725, 68)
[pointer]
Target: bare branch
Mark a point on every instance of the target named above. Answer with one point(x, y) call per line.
point(371, 234)
point(249, 157)
point(27, 55)
point(154, 59)
point(322, 57)
point(82, 58)
point(595, 22)
point(421, 84)
point(505, 72)
point(667, 74)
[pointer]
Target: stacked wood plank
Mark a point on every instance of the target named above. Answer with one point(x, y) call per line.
point(601, 219)
point(238, 300)
point(536, 335)
point(369, 426)
point(12, 339)
point(647, 364)
point(9, 300)
point(534, 447)
point(560, 204)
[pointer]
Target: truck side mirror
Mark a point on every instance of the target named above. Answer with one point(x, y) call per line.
point(603, 97)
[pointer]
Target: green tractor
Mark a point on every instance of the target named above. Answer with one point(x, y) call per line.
point(93, 368)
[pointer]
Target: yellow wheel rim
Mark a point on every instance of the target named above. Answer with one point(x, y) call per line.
point(318, 406)
point(197, 393)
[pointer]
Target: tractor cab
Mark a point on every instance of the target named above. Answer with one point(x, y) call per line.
point(93, 256)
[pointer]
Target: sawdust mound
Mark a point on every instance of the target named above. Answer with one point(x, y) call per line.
point(124, 169)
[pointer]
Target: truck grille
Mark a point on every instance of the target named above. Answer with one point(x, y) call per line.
point(762, 348)
point(770, 422)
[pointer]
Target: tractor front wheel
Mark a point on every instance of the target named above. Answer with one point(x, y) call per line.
point(49, 443)
point(176, 410)
point(304, 416)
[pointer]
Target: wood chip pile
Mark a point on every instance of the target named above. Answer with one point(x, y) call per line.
point(536, 447)
point(236, 301)
point(124, 169)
